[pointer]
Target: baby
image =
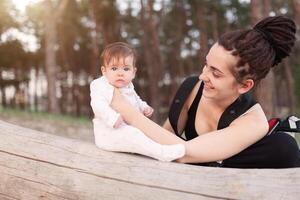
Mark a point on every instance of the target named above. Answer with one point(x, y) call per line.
point(110, 131)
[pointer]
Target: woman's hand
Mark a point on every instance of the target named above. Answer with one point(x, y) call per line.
point(117, 100)
point(119, 103)
point(118, 122)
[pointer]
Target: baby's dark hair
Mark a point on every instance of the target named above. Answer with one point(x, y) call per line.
point(260, 48)
point(117, 50)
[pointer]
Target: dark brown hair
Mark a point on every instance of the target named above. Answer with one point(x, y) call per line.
point(261, 48)
point(117, 50)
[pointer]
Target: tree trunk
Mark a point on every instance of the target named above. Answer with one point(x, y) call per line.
point(52, 16)
point(296, 7)
point(50, 65)
point(290, 85)
point(203, 39)
point(36, 165)
point(2, 90)
point(215, 25)
point(95, 57)
point(176, 66)
point(35, 99)
point(256, 11)
point(265, 92)
point(266, 8)
point(104, 14)
point(153, 56)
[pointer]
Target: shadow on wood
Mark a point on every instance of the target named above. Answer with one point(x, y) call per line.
point(36, 165)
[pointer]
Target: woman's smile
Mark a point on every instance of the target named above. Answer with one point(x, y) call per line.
point(208, 87)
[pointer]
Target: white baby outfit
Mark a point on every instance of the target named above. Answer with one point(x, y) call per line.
point(125, 138)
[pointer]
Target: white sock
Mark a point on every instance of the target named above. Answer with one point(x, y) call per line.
point(132, 140)
point(172, 152)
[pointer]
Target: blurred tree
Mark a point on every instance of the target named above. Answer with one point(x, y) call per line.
point(34, 23)
point(105, 15)
point(7, 10)
point(7, 21)
point(171, 39)
point(201, 14)
point(95, 43)
point(8, 50)
point(175, 34)
point(296, 11)
point(265, 91)
point(153, 57)
point(73, 56)
point(52, 15)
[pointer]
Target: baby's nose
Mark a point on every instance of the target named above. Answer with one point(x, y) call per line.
point(120, 72)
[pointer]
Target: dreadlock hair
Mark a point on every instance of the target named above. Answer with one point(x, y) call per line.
point(261, 48)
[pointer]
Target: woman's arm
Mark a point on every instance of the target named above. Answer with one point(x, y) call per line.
point(222, 144)
point(167, 126)
point(135, 118)
point(213, 146)
point(100, 104)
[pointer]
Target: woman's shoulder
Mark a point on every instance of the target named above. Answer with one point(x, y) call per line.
point(254, 117)
point(256, 107)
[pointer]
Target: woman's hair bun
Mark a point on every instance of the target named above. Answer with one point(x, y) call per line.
point(279, 31)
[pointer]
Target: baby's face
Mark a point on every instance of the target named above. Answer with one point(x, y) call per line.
point(119, 72)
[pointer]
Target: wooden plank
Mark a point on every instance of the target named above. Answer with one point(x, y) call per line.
point(36, 165)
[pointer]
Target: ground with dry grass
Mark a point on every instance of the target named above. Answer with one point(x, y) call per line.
point(66, 126)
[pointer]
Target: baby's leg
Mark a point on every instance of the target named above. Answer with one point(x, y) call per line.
point(130, 139)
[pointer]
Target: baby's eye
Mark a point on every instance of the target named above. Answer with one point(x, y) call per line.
point(126, 69)
point(114, 68)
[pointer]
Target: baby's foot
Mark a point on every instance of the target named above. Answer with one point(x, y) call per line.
point(172, 152)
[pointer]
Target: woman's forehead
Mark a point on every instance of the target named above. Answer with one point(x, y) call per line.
point(220, 58)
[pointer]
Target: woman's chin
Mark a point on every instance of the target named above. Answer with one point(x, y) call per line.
point(208, 93)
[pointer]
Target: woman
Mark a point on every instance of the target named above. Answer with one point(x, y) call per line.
point(234, 66)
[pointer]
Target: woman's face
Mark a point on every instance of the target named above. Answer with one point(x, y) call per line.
point(219, 82)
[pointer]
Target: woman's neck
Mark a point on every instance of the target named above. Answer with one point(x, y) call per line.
point(220, 104)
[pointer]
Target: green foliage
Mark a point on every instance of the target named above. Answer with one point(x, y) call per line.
point(6, 19)
point(10, 53)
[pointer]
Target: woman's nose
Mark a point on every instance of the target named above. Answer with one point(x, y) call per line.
point(203, 76)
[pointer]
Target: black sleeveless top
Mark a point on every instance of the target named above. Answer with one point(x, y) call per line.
point(237, 108)
point(190, 129)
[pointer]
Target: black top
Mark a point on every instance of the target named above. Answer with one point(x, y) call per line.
point(236, 109)
point(190, 129)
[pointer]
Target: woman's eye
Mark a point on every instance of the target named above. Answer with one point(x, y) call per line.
point(215, 74)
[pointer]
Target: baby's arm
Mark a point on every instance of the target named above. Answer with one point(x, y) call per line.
point(101, 106)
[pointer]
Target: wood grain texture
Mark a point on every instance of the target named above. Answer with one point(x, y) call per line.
point(37, 165)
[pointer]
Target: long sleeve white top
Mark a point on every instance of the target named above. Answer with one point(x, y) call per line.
point(101, 92)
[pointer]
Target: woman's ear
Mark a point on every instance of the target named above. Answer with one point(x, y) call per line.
point(246, 86)
point(103, 70)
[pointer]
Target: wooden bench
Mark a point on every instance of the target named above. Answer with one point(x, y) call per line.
point(37, 165)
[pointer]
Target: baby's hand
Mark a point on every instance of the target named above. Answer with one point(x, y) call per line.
point(148, 111)
point(118, 122)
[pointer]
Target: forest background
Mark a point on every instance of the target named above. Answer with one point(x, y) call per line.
point(49, 53)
